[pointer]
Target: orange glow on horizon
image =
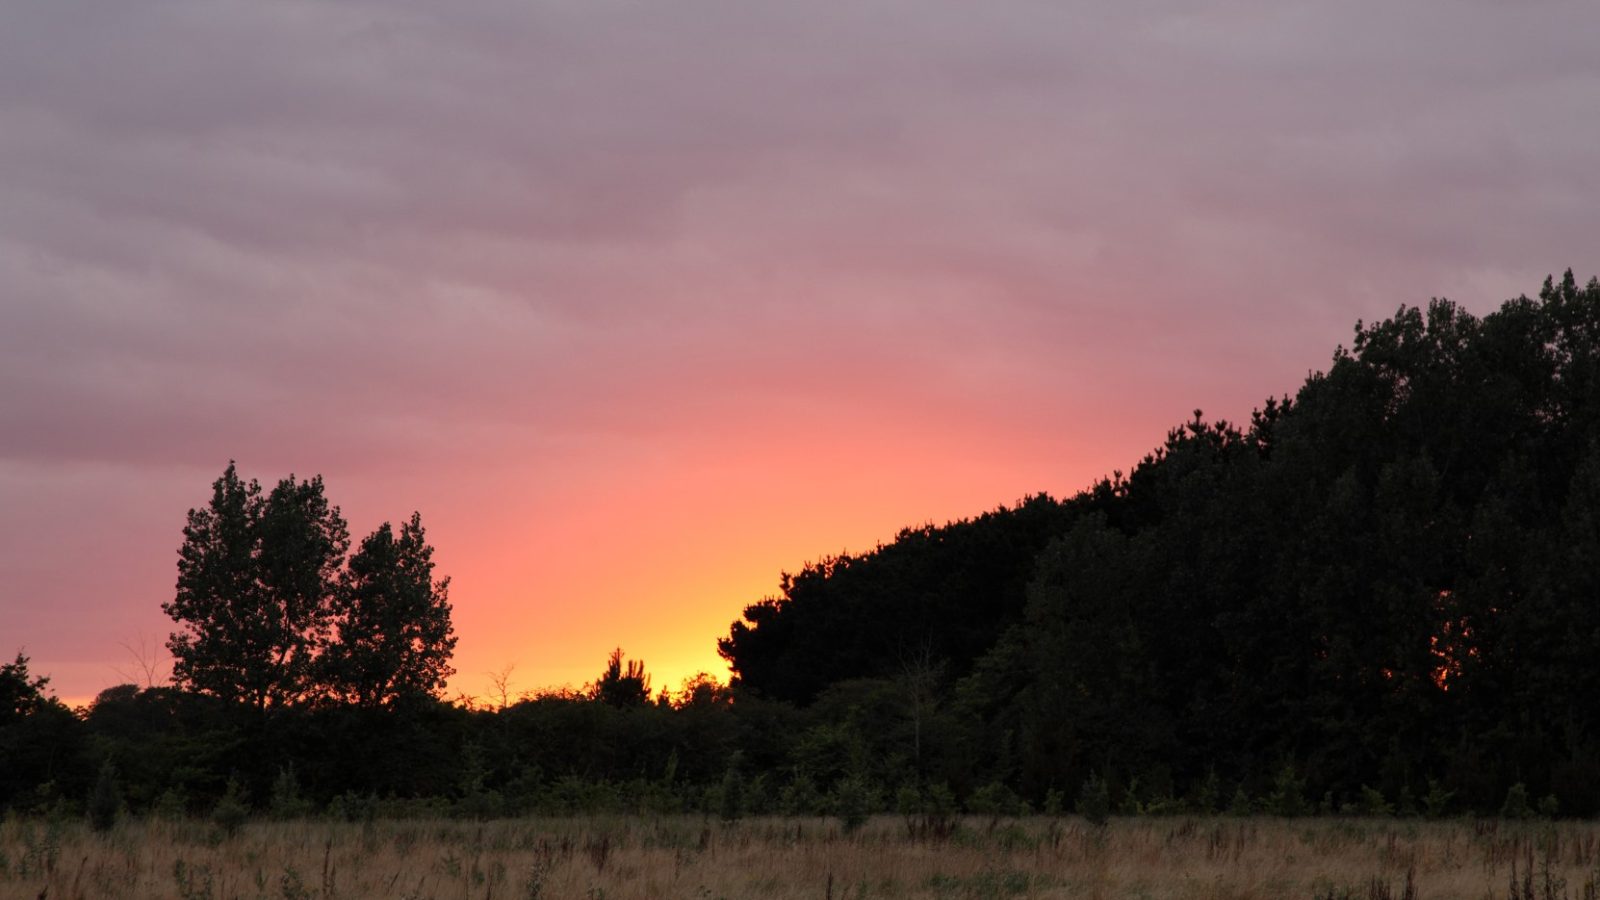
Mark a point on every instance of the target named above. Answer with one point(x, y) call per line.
point(662, 566)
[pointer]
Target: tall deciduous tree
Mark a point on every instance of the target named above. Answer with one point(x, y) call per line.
point(394, 636)
point(256, 575)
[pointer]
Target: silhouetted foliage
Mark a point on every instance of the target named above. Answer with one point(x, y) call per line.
point(1376, 596)
point(40, 742)
point(105, 801)
point(392, 621)
point(624, 683)
point(943, 592)
point(255, 578)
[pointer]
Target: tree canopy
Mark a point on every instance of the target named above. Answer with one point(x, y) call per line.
point(256, 575)
point(273, 614)
point(393, 635)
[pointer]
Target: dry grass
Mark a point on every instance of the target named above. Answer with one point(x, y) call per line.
point(632, 858)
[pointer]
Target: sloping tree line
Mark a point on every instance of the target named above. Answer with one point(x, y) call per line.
point(1381, 594)
point(274, 614)
point(1388, 582)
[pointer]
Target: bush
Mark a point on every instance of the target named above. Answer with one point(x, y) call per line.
point(1549, 807)
point(1240, 805)
point(231, 810)
point(1516, 805)
point(1054, 802)
point(1094, 801)
point(171, 806)
point(286, 801)
point(1130, 804)
point(1288, 796)
point(353, 807)
point(996, 801)
point(853, 801)
point(1373, 803)
point(800, 797)
point(1437, 802)
point(1207, 794)
point(730, 796)
point(928, 813)
point(105, 801)
point(1406, 805)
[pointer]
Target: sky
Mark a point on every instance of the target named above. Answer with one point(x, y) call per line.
point(642, 304)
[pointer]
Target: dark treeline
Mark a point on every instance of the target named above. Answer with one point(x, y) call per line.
point(1381, 594)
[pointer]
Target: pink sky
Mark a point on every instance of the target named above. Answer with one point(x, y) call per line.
point(641, 305)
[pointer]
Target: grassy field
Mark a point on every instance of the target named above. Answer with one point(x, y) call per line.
point(632, 858)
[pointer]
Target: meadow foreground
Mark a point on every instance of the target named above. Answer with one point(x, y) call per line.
point(634, 858)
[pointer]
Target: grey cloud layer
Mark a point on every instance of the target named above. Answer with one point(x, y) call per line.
point(220, 218)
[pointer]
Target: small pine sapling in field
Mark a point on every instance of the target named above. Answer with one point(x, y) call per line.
point(1516, 805)
point(1130, 804)
point(1373, 803)
point(105, 801)
point(800, 797)
point(1288, 796)
point(853, 800)
point(996, 801)
point(1094, 800)
point(1207, 794)
point(1549, 807)
point(756, 799)
point(928, 812)
point(908, 803)
point(1437, 802)
point(1055, 803)
point(1407, 804)
point(231, 810)
point(171, 806)
point(286, 801)
point(730, 795)
point(1240, 805)
point(936, 811)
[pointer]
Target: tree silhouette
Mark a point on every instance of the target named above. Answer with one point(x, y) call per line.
point(255, 578)
point(21, 694)
point(623, 684)
point(394, 635)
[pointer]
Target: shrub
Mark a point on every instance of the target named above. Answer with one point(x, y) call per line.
point(1549, 807)
point(1437, 802)
point(286, 802)
point(1373, 803)
point(172, 805)
point(1094, 800)
point(928, 813)
point(996, 801)
point(1288, 796)
point(1516, 805)
point(1207, 794)
point(800, 797)
point(105, 801)
point(353, 807)
point(853, 801)
point(1240, 805)
point(231, 810)
point(1054, 802)
point(730, 796)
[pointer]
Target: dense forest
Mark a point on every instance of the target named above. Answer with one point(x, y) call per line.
point(1381, 595)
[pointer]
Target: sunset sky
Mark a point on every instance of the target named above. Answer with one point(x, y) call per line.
point(641, 304)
